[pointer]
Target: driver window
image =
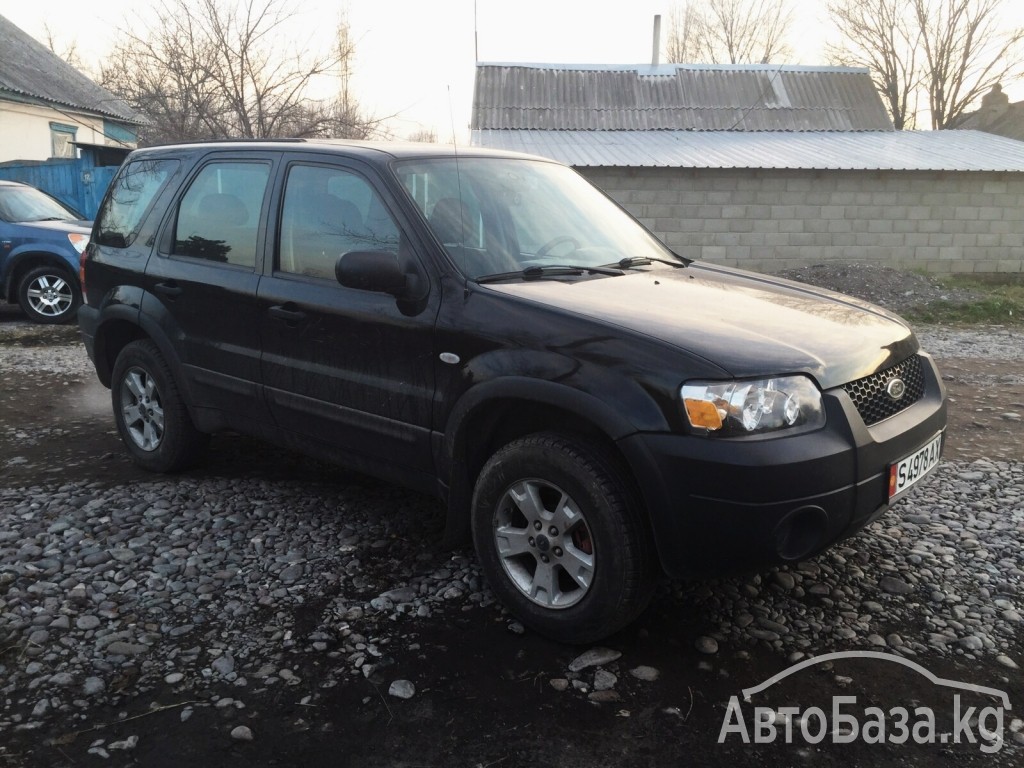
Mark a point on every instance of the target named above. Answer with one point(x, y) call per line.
point(328, 212)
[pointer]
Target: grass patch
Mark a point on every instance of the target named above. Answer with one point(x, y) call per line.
point(984, 302)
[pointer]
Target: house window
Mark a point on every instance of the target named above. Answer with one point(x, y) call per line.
point(120, 133)
point(61, 138)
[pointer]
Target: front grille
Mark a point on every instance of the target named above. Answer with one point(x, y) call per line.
point(873, 402)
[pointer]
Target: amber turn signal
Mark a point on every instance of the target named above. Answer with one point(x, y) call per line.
point(703, 413)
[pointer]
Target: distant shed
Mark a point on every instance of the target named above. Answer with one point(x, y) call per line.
point(766, 167)
point(690, 97)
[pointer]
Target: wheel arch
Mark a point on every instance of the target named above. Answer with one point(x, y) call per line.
point(25, 261)
point(498, 412)
point(111, 337)
point(123, 323)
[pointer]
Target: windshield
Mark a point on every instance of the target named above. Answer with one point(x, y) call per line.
point(27, 204)
point(502, 215)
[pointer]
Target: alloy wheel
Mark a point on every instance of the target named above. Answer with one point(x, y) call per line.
point(50, 295)
point(544, 543)
point(141, 409)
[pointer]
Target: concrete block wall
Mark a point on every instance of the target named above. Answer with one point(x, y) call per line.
point(771, 220)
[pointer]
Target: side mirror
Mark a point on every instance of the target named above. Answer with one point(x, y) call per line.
point(378, 271)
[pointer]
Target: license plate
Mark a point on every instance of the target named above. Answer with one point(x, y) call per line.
point(905, 473)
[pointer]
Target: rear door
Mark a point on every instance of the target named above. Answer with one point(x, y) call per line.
point(350, 369)
point(205, 279)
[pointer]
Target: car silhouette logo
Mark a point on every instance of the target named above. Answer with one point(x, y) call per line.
point(995, 692)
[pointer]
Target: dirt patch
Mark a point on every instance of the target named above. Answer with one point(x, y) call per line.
point(986, 406)
point(890, 288)
point(17, 332)
point(483, 698)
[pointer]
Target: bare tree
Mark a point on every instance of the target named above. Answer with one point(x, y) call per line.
point(680, 47)
point(966, 51)
point(729, 31)
point(69, 53)
point(166, 77)
point(427, 135)
point(883, 36)
point(223, 69)
point(947, 52)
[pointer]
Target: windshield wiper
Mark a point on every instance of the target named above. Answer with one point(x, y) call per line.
point(631, 262)
point(549, 270)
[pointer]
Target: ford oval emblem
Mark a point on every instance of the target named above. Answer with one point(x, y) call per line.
point(895, 388)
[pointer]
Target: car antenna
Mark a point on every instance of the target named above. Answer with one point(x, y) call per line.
point(458, 172)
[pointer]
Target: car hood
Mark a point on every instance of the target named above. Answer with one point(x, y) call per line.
point(81, 227)
point(747, 324)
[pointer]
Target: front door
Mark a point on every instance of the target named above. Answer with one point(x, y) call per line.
point(348, 368)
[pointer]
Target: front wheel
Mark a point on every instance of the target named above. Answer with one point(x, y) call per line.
point(49, 295)
point(151, 416)
point(560, 538)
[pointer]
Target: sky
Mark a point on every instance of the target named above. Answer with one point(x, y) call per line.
point(414, 59)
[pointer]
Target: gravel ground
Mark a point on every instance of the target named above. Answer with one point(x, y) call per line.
point(188, 582)
point(988, 343)
point(216, 591)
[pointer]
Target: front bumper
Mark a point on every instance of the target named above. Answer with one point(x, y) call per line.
point(719, 506)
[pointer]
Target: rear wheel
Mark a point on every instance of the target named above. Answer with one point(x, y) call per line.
point(560, 538)
point(151, 416)
point(49, 295)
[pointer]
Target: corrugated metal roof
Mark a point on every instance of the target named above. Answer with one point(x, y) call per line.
point(676, 96)
point(30, 71)
point(868, 150)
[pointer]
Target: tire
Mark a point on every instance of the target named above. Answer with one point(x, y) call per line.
point(151, 416)
point(563, 499)
point(49, 295)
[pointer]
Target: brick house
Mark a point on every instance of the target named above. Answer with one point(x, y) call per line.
point(997, 115)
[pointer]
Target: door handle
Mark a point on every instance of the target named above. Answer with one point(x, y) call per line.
point(170, 289)
point(290, 316)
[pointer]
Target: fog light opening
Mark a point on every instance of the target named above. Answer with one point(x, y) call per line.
point(801, 533)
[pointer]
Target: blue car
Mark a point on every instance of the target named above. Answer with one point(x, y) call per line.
point(41, 240)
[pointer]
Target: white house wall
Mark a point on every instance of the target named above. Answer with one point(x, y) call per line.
point(25, 130)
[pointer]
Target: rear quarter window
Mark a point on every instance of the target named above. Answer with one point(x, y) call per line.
point(130, 196)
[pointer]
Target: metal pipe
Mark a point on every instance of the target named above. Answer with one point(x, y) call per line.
point(656, 53)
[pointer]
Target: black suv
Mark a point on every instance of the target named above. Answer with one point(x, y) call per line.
point(490, 328)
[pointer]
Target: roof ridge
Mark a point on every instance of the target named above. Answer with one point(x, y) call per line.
point(670, 69)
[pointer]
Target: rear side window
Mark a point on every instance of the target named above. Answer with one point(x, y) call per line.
point(219, 216)
point(131, 193)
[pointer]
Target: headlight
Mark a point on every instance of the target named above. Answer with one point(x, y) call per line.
point(78, 241)
point(736, 408)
